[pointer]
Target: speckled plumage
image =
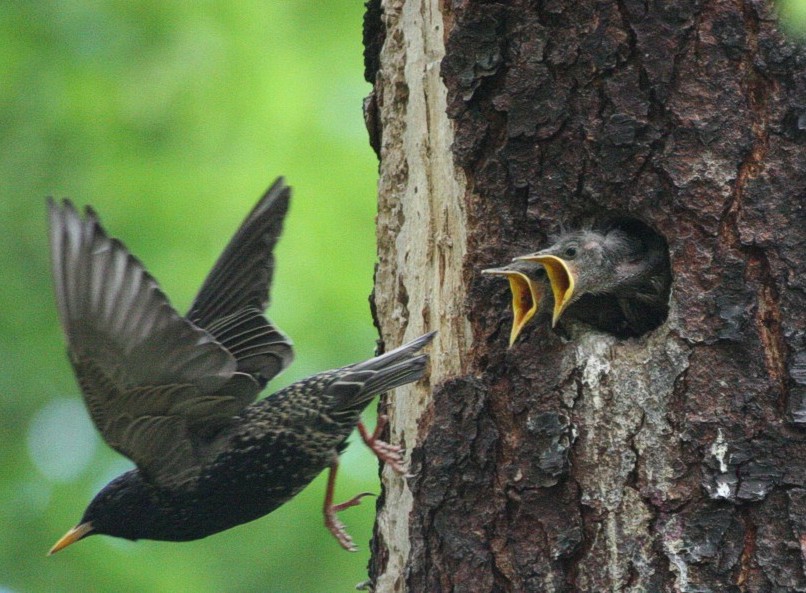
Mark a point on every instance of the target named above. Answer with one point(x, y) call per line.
point(268, 454)
point(176, 394)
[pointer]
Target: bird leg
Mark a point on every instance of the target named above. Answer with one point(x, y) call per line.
point(332, 522)
point(390, 454)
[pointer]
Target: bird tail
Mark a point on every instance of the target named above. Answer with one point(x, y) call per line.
point(352, 391)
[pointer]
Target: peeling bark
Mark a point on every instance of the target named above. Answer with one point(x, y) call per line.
point(578, 461)
point(422, 242)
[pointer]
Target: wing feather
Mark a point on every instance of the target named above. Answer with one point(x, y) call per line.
point(149, 376)
point(236, 291)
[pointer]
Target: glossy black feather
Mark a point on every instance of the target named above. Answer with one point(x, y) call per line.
point(176, 394)
point(269, 453)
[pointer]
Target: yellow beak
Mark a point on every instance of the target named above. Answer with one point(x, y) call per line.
point(561, 277)
point(525, 298)
point(71, 537)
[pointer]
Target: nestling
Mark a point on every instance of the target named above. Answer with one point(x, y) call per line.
point(531, 293)
point(625, 261)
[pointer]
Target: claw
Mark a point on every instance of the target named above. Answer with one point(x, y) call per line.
point(390, 454)
point(336, 527)
point(353, 502)
point(338, 530)
point(329, 510)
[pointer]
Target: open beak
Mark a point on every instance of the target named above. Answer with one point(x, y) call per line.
point(525, 298)
point(72, 536)
point(561, 277)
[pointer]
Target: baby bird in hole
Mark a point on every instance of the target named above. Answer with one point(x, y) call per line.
point(614, 276)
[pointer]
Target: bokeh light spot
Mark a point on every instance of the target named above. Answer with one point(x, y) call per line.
point(62, 440)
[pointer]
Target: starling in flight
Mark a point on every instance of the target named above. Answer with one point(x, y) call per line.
point(177, 394)
point(621, 261)
point(531, 292)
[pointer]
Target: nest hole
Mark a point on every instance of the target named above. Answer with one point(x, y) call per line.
point(641, 305)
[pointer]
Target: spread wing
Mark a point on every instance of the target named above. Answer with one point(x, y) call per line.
point(231, 301)
point(151, 379)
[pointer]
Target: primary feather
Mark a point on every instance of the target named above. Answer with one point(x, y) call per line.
point(177, 394)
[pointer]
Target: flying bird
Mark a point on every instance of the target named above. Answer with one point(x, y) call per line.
point(622, 261)
point(531, 293)
point(177, 394)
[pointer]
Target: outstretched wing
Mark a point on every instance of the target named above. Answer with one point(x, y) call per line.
point(150, 378)
point(235, 293)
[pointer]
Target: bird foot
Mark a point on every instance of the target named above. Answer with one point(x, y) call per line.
point(353, 502)
point(390, 454)
point(336, 527)
point(338, 530)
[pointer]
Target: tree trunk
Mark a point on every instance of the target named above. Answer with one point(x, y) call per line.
point(578, 461)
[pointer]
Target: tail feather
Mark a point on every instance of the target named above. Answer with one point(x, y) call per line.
point(401, 353)
point(355, 388)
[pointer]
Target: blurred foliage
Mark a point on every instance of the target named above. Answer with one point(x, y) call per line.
point(171, 118)
point(793, 16)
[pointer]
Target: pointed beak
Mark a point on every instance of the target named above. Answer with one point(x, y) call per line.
point(562, 281)
point(72, 536)
point(526, 296)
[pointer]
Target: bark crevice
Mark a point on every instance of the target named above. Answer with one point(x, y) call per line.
point(575, 460)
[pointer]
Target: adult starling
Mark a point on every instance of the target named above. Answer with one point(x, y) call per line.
point(531, 292)
point(624, 261)
point(175, 394)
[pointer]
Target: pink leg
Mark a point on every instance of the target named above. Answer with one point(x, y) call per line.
point(390, 454)
point(332, 522)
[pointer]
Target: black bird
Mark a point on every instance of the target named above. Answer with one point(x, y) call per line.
point(531, 293)
point(175, 394)
point(624, 261)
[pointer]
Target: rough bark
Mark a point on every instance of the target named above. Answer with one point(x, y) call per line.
point(577, 461)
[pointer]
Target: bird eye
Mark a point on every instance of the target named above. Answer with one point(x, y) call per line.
point(570, 252)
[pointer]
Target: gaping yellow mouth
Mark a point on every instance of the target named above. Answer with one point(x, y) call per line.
point(525, 299)
point(561, 277)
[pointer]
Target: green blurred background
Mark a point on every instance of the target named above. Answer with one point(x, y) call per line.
point(793, 16)
point(171, 118)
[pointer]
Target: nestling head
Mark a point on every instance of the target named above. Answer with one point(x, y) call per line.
point(584, 262)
